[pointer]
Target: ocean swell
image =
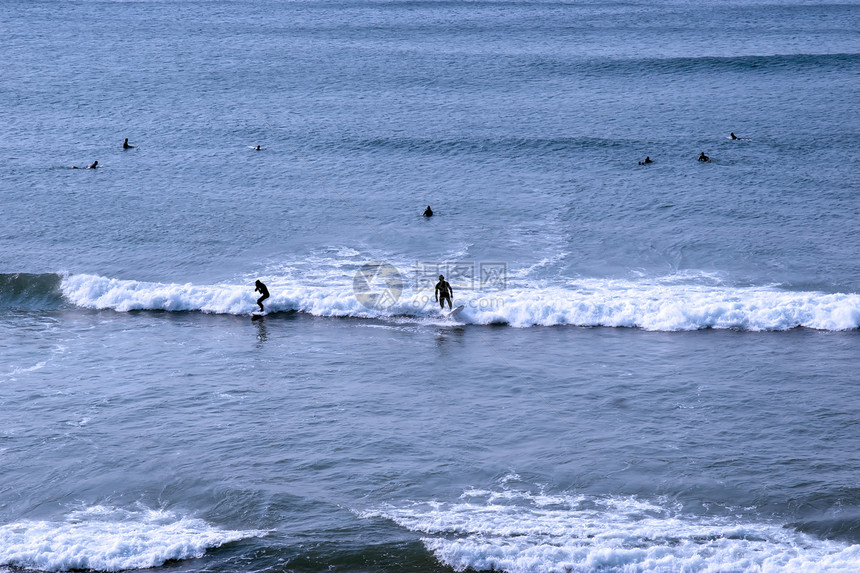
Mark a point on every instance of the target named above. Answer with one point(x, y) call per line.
point(29, 291)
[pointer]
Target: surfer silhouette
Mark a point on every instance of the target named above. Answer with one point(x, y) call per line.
point(704, 157)
point(428, 212)
point(646, 162)
point(733, 135)
point(261, 288)
point(125, 144)
point(444, 292)
point(94, 165)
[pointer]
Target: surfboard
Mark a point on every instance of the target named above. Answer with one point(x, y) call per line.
point(455, 313)
point(258, 314)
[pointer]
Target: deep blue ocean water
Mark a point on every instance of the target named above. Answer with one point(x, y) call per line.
point(656, 366)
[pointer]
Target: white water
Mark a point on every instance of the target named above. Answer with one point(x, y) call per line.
point(534, 533)
point(660, 305)
point(109, 539)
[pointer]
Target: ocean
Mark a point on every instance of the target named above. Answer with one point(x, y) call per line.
point(655, 366)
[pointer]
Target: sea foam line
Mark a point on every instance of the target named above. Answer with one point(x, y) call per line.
point(671, 307)
point(110, 539)
point(528, 533)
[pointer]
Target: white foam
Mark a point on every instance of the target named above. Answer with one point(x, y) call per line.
point(90, 291)
point(670, 304)
point(532, 533)
point(110, 539)
point(670, 307)
point(23, 369)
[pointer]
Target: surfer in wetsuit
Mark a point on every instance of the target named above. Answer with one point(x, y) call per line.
point(261, 288)
point(646, 162)
point(733, 135)
point(428, 212)
point(704, 157)
point(125, 144)
point(444, 292)
point(95, 165)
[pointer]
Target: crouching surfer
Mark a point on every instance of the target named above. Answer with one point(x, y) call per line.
point(261, 288)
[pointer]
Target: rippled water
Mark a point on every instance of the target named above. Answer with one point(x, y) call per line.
point(655, 365)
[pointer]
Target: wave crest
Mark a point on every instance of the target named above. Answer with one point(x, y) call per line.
point(667, 305)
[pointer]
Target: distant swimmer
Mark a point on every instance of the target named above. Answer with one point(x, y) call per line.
point(261, 288)
point(94, 165)
point(125, 144)
point(257, 148)
point(734, 136)
point(444, 292)
point(428, 212)
point(646, 162)
point(704, 157)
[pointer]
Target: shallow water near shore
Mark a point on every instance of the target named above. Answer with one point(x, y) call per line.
point(298, 441)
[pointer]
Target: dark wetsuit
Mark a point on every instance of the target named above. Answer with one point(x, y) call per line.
point(704, 157)
point(125, 144)
point(444, 292)
point(428, 212)
point(261, 288)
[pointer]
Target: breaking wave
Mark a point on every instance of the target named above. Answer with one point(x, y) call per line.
point(110, 539)
point(522, 532)
point(669, 304)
